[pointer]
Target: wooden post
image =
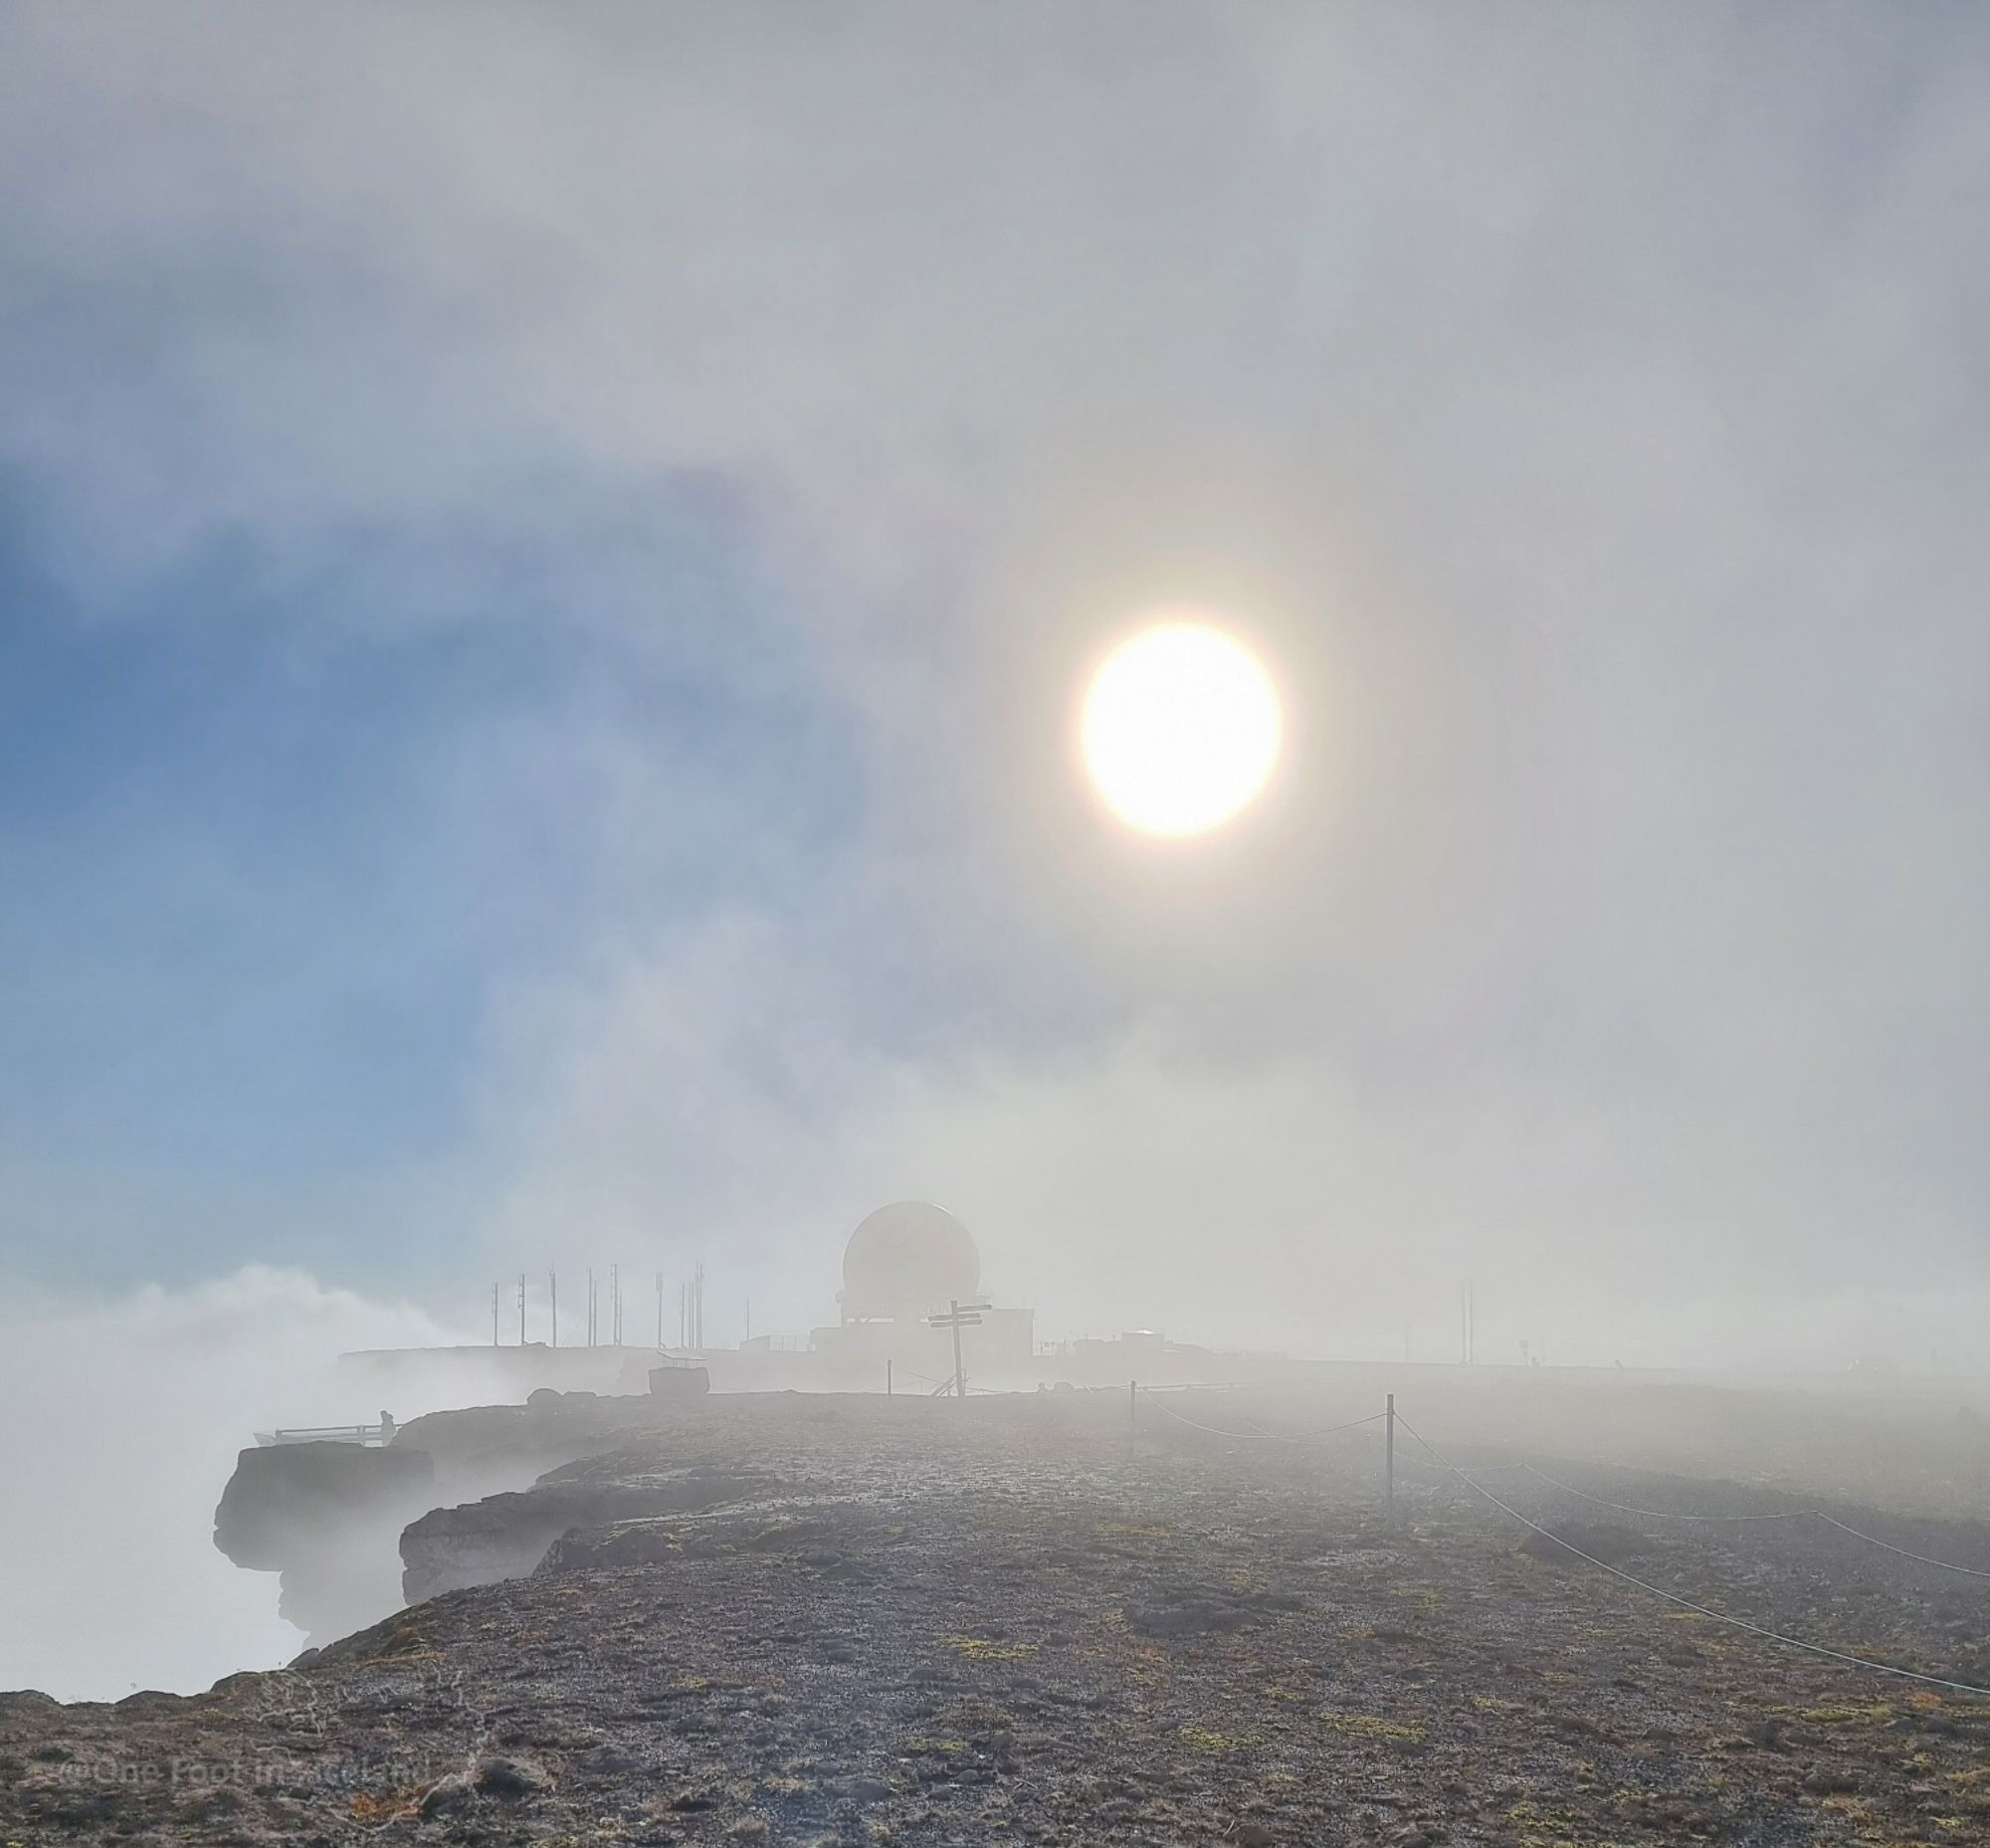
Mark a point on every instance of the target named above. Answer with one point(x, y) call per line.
point(888, 1379)
point(1389, 1463)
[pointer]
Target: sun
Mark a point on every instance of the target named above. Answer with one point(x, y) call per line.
point(1180, 728)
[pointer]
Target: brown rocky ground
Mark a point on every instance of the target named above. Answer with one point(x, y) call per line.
point(920, 1622)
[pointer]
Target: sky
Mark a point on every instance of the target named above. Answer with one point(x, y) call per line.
point(548, 555)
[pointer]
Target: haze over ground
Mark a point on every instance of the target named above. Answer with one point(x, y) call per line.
point(546, 559)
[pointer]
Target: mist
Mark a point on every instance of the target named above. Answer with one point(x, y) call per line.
point(128, 1412)
point(547, 565)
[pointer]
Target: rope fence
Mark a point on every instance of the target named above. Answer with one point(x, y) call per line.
point(1788, 1514)
point(1672, 1597)
point(1655, 1514)
point(1470, 1479)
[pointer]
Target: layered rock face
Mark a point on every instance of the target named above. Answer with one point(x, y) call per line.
point(329, 1517)
point(326, 1519)
point(507, 1536)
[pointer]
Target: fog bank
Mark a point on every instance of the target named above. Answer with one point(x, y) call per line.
point(124, 1416)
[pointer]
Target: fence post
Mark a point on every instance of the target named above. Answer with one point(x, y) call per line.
point(1389, 1463)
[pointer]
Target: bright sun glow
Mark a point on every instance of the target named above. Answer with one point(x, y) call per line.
point(1180, 728)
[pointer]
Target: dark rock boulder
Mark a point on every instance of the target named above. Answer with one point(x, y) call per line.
point(508, 1780)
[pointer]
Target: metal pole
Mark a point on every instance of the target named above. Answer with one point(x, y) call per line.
point(659, 1309)
point(552, 1291)
point(494, 1315)
point(959, 1380)
point(521, 1309)
point(1389, 1462)
point(888, 1379)
point(590, 1306)
point(1133, 1419)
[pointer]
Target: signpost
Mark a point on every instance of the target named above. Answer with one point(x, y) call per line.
point(958, 1316)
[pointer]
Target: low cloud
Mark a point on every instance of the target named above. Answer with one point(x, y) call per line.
point(1587, 413)
point(124, 1414)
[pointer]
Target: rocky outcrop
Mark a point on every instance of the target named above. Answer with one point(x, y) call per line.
point(507, 1536)
point(325, 1518)
point(983, 1621)
point(329, 1516)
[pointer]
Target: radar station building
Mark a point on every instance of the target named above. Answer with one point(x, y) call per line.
point(904, 1263)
